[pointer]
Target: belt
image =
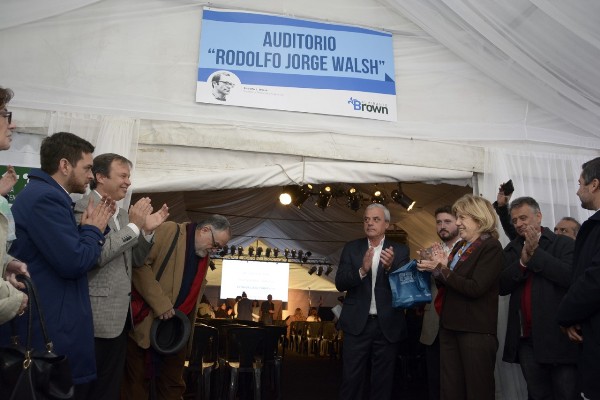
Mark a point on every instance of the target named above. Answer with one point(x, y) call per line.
point(372, 316)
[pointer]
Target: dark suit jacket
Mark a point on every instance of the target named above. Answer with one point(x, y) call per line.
point(551, 268)
point(471, 299)
point(581, 304)
point(355, 310)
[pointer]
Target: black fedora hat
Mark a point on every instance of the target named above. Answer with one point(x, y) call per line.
point(168, 336)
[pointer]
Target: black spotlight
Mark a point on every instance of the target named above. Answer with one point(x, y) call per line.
point(286, 253)
point(303, 194)
point(300, 254)
point(212, 266)
point(378, 197)
point(259, 251)
point(320, 271)
point(308, 254)
point(251, 251)
point(232, 250)
point(268, 252)
point(240, 250)
point(399, 197)
point(224, 251)
point(329, 270)
point(354, 199)
point(275, 252)
point(312, 270)
point(304, 259)
point(324, 198)
point(294, 253)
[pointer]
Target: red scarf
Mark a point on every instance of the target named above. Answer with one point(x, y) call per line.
point(190, 301)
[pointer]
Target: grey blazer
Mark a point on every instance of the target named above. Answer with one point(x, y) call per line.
point(110, 281)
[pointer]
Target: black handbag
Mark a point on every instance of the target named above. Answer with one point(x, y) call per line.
point(28, 374)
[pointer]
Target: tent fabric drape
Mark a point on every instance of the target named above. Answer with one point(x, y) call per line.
point(528, 46)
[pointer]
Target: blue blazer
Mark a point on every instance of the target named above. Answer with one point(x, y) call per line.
point(355, 310)
point(59, 255)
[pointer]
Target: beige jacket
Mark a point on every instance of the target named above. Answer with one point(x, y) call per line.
point(10, 297)
point(161, 296)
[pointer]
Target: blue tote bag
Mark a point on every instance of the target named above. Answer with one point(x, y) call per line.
point(410, 287)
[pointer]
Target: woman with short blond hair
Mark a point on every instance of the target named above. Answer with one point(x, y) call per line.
point(467, 302)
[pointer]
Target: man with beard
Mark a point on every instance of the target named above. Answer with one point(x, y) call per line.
point(537, 274)
point(579, 312)
point(59, 253)
point(179, 288)
point(447, 231)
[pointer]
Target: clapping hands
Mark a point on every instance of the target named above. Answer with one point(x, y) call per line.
point(99, 215)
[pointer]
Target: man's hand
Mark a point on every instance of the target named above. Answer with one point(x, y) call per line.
point(154, 220)
point(8, 180)
point(14, 268)
point(387, 257)
point(367, 261)
point(98, 216)
point(140, 211)
point(573, 332)
point(168, 315)
point(532, 239)
point(501, 198)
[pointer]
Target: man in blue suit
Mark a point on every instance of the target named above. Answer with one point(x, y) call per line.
point(59, 252)
point(372, 328)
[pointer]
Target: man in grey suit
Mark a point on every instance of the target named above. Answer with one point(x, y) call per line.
point(127, 243)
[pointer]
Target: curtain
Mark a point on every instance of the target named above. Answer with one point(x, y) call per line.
point(544, 50)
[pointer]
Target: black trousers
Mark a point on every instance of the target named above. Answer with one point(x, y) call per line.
point(467, 361)
point(370, 347)
point(110, 364)
point(432, 355)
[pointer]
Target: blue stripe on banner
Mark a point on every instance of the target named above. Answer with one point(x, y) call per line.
point(306, 81)
point(250, 18)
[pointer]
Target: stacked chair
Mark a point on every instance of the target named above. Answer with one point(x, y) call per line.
point(313, 338)
point(204, 358)
point(244, 354)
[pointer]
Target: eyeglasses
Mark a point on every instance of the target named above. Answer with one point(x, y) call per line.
point(230, 84)
point(7, 114)
point(215, 245)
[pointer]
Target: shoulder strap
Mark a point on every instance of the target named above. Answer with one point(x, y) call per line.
point(164, 263)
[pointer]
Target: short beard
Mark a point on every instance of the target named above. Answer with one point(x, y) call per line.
point(201, 253)
point(451, 236)
point(73, 187)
